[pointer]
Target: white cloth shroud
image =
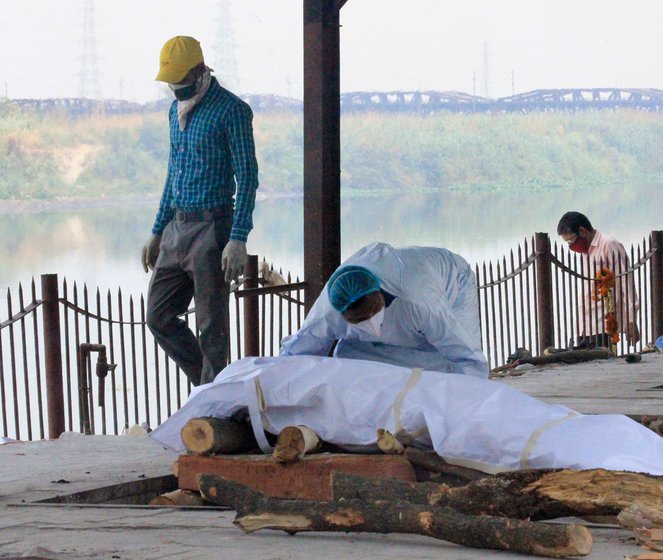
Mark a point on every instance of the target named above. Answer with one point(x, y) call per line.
point(468, 421)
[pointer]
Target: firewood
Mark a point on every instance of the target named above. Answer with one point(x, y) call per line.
point(487, 496)
point(651, 539)
point(294, 442)
point(641, 514)
point(599, 488)
point(651, 534)
point(534, 494)
point(214, 435)
point(569, 357)
point(451, 474)
point(646, 556)
point(255, 511)
point(389, 444)
point(178, 498)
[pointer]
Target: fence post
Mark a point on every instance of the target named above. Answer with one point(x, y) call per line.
point(657, 283)
point(52, 355)
point(544, 290)
point(251, 310)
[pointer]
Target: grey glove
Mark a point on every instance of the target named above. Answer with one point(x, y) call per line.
point(151, 252)
point(233, 259)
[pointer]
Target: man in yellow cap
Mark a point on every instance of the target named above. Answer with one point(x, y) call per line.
point(198, 242)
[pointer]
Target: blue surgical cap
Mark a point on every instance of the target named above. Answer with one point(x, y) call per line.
point(349, 284)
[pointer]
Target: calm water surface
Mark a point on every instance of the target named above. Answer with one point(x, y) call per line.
point(101, 246)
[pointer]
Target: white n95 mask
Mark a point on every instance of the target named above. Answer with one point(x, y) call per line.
point(372, 326)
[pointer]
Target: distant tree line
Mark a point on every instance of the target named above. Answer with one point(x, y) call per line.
point(49, 155)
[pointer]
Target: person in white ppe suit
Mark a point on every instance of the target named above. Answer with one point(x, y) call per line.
point(412, 306)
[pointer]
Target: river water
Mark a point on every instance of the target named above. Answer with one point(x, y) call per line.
point(101, 246)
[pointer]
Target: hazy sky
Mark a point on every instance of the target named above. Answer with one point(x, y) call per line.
point(475, 46)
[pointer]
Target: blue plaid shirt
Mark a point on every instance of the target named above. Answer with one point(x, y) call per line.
point(214, 154)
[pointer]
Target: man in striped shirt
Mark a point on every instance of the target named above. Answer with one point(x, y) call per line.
point(198, 242)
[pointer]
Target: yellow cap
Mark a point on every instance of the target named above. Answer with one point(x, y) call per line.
point(179, 55)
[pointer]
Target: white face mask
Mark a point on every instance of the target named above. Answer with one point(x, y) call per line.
point(372, 326)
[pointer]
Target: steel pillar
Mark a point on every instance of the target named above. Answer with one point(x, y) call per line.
point(322, 145)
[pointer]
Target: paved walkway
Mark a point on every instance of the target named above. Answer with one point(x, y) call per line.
point(599, 387)
point(35, 471)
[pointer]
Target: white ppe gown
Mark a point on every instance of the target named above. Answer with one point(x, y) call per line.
point(432, 322)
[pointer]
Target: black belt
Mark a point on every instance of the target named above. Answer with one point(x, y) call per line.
point(206, 215)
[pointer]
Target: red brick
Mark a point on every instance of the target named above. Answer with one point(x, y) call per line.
point(308, 479)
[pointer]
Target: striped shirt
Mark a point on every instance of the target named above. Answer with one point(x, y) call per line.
point(211, 160)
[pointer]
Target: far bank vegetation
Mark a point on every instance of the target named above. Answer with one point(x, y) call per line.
point(52, 157)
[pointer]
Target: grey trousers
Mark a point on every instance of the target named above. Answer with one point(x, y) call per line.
point(189, 267)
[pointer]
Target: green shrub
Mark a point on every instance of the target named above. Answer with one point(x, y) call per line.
point(47, 155)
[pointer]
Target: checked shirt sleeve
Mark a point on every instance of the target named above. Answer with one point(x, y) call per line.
point(166, 212)
point(245, 166)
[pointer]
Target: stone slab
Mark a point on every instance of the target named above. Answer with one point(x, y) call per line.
point(308, 479)
point(599, 387)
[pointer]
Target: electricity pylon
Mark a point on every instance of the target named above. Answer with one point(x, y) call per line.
point(223, 59)
point(88, 85)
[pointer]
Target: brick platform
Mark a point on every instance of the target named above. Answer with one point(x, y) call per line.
point(308, 479)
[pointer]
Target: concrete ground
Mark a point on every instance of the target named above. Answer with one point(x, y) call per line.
point(40, 470)
point(599, 387)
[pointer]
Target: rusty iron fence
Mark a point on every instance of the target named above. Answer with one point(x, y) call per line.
point(88, 362)
point(48, 344)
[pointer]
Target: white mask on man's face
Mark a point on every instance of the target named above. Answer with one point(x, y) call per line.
point(372, 326)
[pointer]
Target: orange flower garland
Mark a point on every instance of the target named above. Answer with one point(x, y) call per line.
point(603, 290)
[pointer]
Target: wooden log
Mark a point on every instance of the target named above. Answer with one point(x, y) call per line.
point(208, 435)
point(542, 494)
point(178, 498)
point(651, 539)
point(569, 357)
point(256, 511)
point(387, 443)
point(450, 474)
point(593, 489)
point(488, 496)
point(352, 487)
point(294, 442)
point(639, 514)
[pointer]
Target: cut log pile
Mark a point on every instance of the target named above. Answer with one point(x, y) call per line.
point(447, 502)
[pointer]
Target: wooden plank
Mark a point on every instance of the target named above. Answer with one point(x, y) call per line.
point(308, 479)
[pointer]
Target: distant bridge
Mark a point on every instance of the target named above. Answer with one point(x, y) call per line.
point(81, 107)
point(593, 98)
point(418, 102)
point(412, 101)
point(537, 100)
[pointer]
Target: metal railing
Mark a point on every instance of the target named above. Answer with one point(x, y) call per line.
point(539, 297)
point(48, 383)
point(52, 353)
